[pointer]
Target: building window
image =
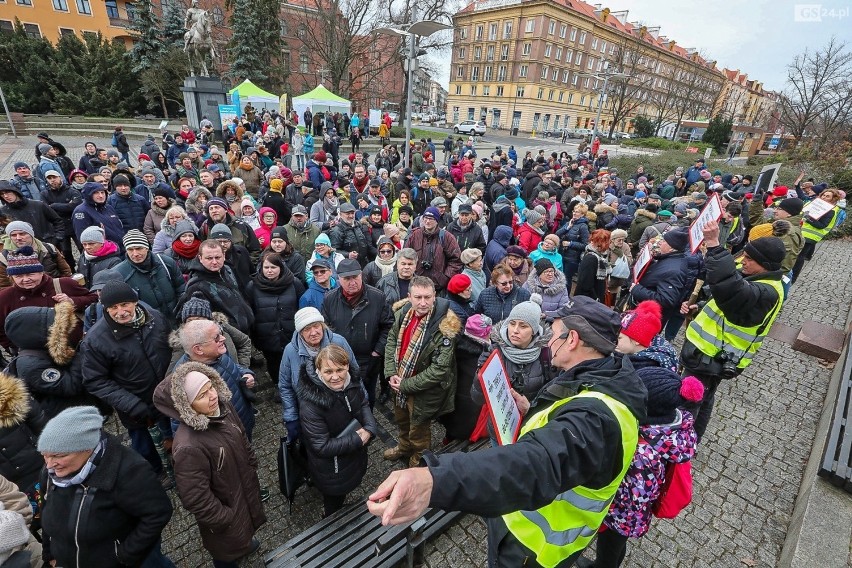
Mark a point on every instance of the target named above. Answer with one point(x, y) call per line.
point(501, 73)
point(583, 100)
point(460, 72)
point(507, 30)
point(489, 53)
point(536, 118)
point(519, 92)
point(550, 95)
point(500, 91)
point(492, 32)
point(547, 49)
point(504, 52)
point(458, 90)
point(487, 75)
point(477, 53)
point(24, 2)
point(586, 82)
point(486, 90)
point(473, 90)
point(285, 60)
point(303, 63)
point(530, 26)
point(579, 58)
point(527, 49)
point(546, 123)
point(463, 33)
point(471, 112)
point(574, 79)
point(573, 34)
point(563, 29)
point(540, 94)
point(66, 32)
point(556, 118)
point(594, 43)
point(462, 52)
point(565, 76)
point(131, 13)
point(591, 64)
point(582, 38)
point(558, 56)
point(544, 71)
point(551, 28)
point(600, 64)
point(523, 71)
point(569, 55)
point(474, 74)
point(60, 5)
point(478, 35)
point(455, 113)
point(32, 30)
point(570, 98)
point(555, 76)
point(300, 33)
point(83, 7)
point(603, 46)
point(111, 8)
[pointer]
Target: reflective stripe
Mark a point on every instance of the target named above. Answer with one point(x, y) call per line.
point(595, 505)
point(558, 538)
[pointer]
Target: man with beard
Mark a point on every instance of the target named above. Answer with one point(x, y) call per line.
point(350, 239)
point(437, 250)
point(466, 231)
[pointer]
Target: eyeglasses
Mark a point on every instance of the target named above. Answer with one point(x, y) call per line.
point(505, 284)
point(386, 251)
point(219, 337)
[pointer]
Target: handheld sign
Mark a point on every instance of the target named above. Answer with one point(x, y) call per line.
point(643, 261)
point(818, 207)
point(711, 212)
point(502, 408)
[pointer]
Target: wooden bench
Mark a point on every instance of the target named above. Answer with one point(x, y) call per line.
point(836, 466)
point(353, 538)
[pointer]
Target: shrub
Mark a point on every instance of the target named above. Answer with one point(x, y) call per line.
point(664, 144)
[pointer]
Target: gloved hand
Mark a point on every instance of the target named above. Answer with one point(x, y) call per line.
point(294, 428)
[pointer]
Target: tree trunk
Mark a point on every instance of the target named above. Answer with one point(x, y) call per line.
point(163, 105)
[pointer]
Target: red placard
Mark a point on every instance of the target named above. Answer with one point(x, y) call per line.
point(502, 408)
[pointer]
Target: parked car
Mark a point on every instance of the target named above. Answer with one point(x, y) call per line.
point(470, 127)
point(623, 135)
point(554, 133)
point(579, 133)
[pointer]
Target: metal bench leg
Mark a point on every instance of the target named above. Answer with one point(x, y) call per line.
point(414, 540)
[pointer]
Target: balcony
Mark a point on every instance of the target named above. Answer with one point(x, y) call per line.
point(118, 22)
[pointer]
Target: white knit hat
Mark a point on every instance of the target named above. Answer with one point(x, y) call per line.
point(307, 316)
point(13, 533)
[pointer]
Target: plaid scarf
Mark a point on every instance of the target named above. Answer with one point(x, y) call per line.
point(408, 360)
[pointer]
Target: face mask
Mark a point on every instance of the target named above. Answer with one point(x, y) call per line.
point(230, 198)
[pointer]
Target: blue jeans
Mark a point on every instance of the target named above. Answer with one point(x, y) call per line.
point(140, 440)
point(156, 559)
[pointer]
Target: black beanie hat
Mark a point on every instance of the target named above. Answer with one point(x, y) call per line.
point(666, 392)
point(115, 292)
point(542, 264)
point(678, 239)
point(196, 306)
point(792, 205)
point(768, 252)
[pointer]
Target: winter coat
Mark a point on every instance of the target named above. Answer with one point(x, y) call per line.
point(88, 267)
point(47, 225)
point(605, 215)
point(577, 236)
point(460, 423)
point(51, 259)
point(302, 240)
point(193, 209)
point(158, 282)
point(12, 298)
point(91, 214)
point(215, 467)
point(653, 231)
point(496, 305)
point(154, 220)
point(660, 446)
point(47, 362)
point(131, 209)
point(165, 236)
point(313, 173)
point(63, 201)
point(389, 286)
point(554, 257)
point(553, 295)
point(241, 234)
point(588, 283)
point(237, 343)
point(668, 280)
point(496, 249)
point(641, 221)
point(274, 305)
point(353, 238)
point(21, 423)
point(432, 385)
point(336, 464)
point(122, 365)
point(253, 178)
point(30, 187)
point(526, 378)
point(441, 249)
point(468, 237)
point(222, 291)
point(793, 240)
point(296, 357)
point(365, 326)
point(314, 295)
point(529, 237)
point(112, 520)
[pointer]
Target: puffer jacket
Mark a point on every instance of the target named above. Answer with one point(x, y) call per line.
point(432, 385)
point(113, 520)
point(21, 423)
point(659, 446)
point(553, 295)
point(496, 249)
point(131, 209)
point(47, 225)
point(91, 214)
point(553, 256)
point(498, 306)
point(668, 280)
point(468, 237)
point(195, 211)
point(336, 464)
point(576, 234)
point(46, 362)
point(88, 267)
point(364, 326)
point(215, 466)
point(223, 293)
point(157, 280)
point(353, 238)
point(122, 365)
point(274, 305)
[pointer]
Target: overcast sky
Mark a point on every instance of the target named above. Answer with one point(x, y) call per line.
point(758, 37)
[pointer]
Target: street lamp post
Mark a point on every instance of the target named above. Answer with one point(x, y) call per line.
point(411, 32)
point(606, 77)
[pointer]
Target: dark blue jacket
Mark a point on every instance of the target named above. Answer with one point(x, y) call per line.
point(668, 281)
point(91, 214)
point(577, 236)
point(131, 209)
point(315, 294)
point(496, 249)
point(314, 173)
point(498, 306)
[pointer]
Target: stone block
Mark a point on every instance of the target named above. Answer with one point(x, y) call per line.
point(820, 340)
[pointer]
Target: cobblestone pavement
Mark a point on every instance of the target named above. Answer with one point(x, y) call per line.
point(747, 473)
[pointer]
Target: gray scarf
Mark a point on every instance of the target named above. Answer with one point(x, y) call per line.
point(87, 470)
point(515, 354)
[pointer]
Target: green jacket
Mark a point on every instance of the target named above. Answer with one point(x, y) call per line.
point(641, 221)
point(793, 240)
point(433, 384)
point(302, 241)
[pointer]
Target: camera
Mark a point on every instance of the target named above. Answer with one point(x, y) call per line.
point(728, 363)
point(426, 265)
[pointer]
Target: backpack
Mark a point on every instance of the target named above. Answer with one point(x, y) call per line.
point(676, 492)
point(114, 140)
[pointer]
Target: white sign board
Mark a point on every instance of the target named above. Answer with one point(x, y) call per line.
point(707, 153)
point(818, 207)
point(502, 408)
point(711, 212)
point(164, 124)
point(643, 259)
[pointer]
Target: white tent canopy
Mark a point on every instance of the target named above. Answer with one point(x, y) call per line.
point(321, 100)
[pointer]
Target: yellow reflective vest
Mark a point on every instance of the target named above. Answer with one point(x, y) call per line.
point(567, 525)
point(814, 234)
point(710, 332)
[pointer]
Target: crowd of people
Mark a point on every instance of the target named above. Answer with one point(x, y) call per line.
point(165, 292)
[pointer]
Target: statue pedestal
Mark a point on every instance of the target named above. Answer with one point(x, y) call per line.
point(202, 97)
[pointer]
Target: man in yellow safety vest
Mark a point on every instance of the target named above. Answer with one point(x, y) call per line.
point(815, 230)
point(544, 496)
point(723, 338)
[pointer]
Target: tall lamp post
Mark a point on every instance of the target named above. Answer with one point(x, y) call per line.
point(605, 77)
point(411, 32)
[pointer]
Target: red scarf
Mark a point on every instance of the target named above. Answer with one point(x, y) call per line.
point(186, 251)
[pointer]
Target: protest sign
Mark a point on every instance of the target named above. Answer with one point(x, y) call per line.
point(817, 208)
point(502, 408)
point(711, 212)
point(643, 261)
point(766, 179)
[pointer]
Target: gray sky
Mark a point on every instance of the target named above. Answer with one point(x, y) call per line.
point(758, 37)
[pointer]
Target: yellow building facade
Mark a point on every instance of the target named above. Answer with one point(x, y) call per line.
point(53, 18)
point(530, 65)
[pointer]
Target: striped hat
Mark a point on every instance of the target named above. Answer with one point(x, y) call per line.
point(135, 238)
point(23, 261)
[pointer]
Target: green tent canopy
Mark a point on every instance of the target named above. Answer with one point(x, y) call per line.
point(251, 93)
point(321, 100)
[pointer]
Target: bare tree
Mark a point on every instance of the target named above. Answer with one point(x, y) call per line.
point(624, 96)
point(817, 88)
point(664, 97)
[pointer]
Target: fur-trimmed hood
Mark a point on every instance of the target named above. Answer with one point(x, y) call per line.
point(222, 187)
point(14, 401)
point(645, 213)
point(450, 325)
point(602, 208)
point(192, 200)
point(170, 396)
point(40, 328)
point(535, 286)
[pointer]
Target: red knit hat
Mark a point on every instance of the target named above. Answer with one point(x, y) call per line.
point(643, 323)
point(458, 283)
